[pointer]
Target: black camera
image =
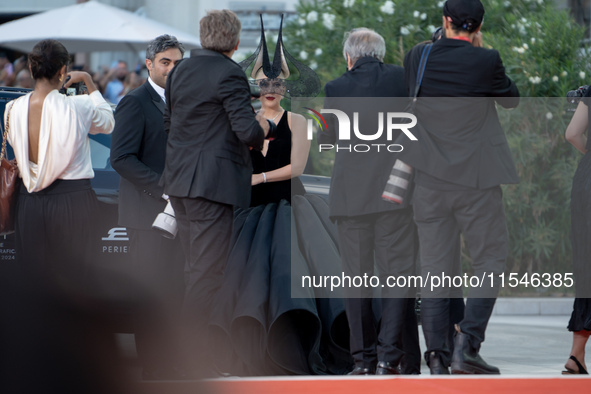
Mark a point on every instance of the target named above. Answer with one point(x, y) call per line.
point(438, 34)
point(74, 89)
point(255, 91)
point(574, 96)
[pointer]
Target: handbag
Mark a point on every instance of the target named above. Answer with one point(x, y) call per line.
point(9, 180)
point(399, 185)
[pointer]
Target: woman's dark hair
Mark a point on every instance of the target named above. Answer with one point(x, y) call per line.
point(47, 58)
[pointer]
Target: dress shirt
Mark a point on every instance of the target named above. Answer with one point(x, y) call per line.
point(64, 147)
point(158, 89)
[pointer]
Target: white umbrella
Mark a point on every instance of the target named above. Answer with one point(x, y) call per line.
point(89, 27)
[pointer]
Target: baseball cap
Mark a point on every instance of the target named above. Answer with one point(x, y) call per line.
point(466, 14)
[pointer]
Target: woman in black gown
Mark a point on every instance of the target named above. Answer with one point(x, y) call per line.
point(277, 166)
point(580, 321)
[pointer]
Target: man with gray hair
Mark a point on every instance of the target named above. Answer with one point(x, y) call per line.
point(138, 148)
point(371, 229)
point(208, 171)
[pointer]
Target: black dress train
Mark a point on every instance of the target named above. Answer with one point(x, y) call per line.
point(264, 322)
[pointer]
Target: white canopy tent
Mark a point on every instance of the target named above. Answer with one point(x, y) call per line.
point(89, 27)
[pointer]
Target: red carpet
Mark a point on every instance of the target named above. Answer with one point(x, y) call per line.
point(376, 385)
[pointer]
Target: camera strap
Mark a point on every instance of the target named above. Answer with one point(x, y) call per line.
point(421, 70)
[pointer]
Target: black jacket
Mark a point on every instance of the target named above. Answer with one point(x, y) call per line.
point(460, 139)
point(211, 124)
point(358, 179)
point(138, 147)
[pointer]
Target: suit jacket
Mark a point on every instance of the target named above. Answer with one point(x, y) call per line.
point(211, 124)
point(138, 148)
point(358, 179)
point(460, 139)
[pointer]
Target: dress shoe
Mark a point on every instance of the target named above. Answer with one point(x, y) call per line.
point(362, 371)
point(466, 360)
point(386, 368)
point(436, 365)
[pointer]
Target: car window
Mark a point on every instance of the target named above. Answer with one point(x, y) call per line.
point(99, 154)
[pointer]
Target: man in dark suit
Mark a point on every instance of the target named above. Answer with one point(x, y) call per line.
point(208, 170)
point(138, 148)
point(371, 229)
point(461, 158)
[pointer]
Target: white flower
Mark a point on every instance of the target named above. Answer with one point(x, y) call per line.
point(431, 28)
point(416, 14)
point(563, 74)
point(348, 3)
point(303, 55)
point(549, 116)
point(533, 40)
point(523, 20)
point(318, 51)
point(328, 20)
point(313, 65)
point(525, 46)
point(519, 49)
point(507, 3)
point(388, 7)
point(535, 80)
point(312, 16)
point(555, 78)
point(301, 21)
point(423, 16)
point(582, 74)
point(440, 4)
point(404, 31)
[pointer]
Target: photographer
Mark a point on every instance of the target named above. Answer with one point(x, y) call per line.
point(48, 132)
point(461, 158)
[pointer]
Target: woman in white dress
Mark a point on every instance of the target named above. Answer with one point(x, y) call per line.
point(48, 132)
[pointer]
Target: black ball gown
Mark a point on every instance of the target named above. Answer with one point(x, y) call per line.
point(264, 322)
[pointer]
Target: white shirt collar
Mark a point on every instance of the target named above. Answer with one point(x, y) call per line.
point(158, 89)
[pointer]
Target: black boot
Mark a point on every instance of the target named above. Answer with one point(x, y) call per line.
point(466, 360)
point(436, 365)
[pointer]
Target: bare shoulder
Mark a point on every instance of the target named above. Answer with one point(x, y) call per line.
point(295, 119)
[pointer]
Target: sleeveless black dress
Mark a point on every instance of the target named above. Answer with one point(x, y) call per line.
point(581, 238)
point(278, 155)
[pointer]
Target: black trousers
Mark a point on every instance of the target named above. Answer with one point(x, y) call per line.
point(158, 271)
point(54, 234)
point(205, 231)
point(440, 217)
point(386, 240)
